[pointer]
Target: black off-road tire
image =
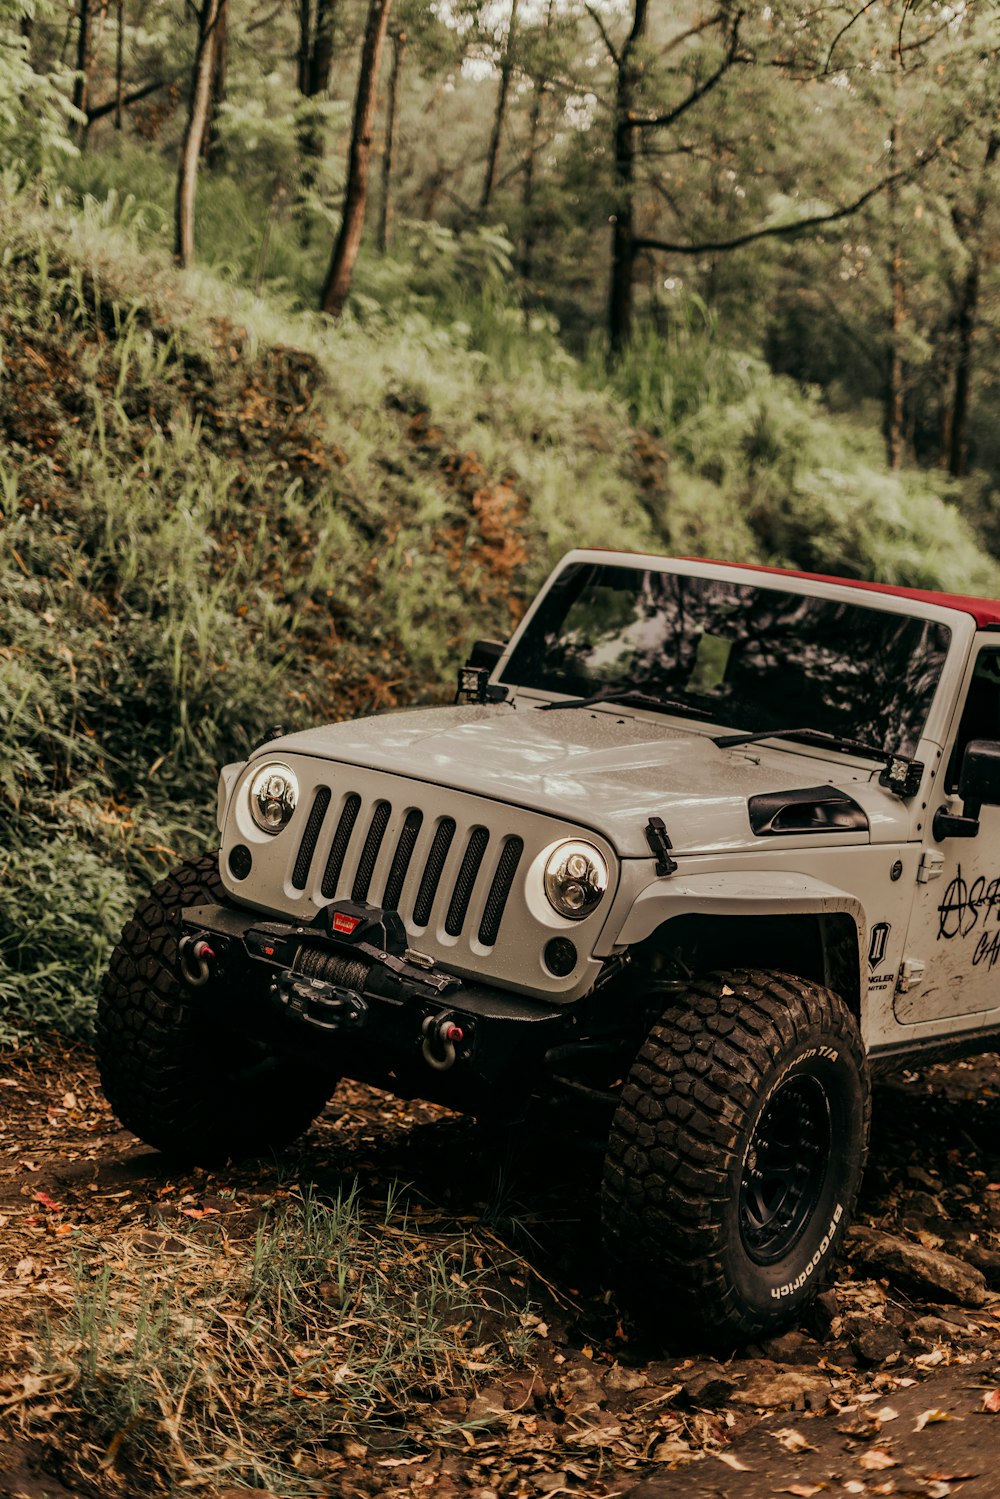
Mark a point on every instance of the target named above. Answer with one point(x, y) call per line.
point(199, 1084)
point(737, 1151)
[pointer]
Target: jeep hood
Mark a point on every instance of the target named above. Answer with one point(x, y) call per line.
point(600, 770)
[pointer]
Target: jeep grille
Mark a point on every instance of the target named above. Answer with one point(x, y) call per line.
point(371, 829)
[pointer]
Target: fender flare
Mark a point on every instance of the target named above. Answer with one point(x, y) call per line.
point(747, 893)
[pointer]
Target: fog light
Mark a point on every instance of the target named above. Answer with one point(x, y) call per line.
point(240, 861)
point(560, 957)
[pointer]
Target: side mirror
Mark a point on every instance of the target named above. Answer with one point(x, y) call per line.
point(979, 778)
point(486, 653)
point(978, 786)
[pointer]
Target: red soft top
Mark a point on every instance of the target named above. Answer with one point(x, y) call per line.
point(984, 611)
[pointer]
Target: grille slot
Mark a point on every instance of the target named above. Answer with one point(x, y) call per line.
point(466, 881)
point(304, 857)
point(433, 870)
point(369, 854)
point(496, 901)
point(338, 848)
point(401, 860)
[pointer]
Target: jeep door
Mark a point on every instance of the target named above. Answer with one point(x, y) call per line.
point(955, 921)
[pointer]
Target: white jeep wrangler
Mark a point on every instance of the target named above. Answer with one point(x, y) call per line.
point(697, 848)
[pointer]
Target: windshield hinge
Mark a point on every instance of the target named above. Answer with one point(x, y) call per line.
point(902, 776)
point(660, 845)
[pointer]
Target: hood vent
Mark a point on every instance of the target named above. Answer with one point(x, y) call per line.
point(809, 809)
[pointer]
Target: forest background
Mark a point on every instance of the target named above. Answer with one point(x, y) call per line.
point(466, 284)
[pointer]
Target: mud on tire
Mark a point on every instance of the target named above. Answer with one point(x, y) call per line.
point(174, 1071)
point(737, 1150)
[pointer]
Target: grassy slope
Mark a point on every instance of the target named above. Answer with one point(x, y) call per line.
point(219, 515)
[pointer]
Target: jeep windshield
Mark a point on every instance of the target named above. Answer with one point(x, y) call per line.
point(735, 654)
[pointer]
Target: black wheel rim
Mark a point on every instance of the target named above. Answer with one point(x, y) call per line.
point(784, 1169)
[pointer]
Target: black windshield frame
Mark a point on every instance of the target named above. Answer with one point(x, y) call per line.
point(755, 657)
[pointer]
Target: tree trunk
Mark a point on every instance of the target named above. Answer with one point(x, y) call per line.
point(306, 23)
point(966, 316)
point(81, 82)
point(528, 186)
point(539, 83)
point(214, 150)
point(493, 155)
point(388, 155)
point(119, 63)
point(194, 132)
point(623, 250)
point(94, 39)
point(345, 251)
point(897, 316)
point(321, 60)
point(315, 64)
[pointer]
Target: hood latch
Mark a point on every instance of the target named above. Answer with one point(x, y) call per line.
point(660, 845)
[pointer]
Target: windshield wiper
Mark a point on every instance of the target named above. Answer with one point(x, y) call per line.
point(811, 736)
point(629, 697)
point(901, 776)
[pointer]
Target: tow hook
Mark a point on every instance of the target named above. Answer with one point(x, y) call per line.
point(194, 957)
point(440, 1034)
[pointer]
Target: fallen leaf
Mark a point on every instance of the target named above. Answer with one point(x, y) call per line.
point(800, 1490)
point(197, 1212)
point(792, 1440)
point(877, 1459)
point(887, 1414)
point(732, 1462)
point(47, 1202)
point(931, 1417)
point(991, 1401)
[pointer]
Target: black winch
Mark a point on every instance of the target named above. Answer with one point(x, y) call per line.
point(350, 976)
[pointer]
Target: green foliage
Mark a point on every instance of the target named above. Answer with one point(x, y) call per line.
point(35, 112)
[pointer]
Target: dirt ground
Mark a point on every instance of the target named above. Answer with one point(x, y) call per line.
point(892, 1386)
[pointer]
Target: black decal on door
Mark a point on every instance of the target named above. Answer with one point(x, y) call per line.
point(876, 949)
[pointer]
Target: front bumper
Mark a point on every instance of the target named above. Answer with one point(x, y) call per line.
point(376, 1010)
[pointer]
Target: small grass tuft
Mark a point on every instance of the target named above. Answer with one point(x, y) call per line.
point(203, 1360)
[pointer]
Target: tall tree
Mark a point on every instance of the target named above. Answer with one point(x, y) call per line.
point(639, 114)
point(212, 144)
point(628, 72)
point(539, 85)
point(398, 39)
point(194, 131)
point(969, 224)
point(317, 20)
point(348, 242)
point(507, 57)
point(897, 316)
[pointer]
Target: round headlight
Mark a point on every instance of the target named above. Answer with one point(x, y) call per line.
point(274, 792)
point(576, 877)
